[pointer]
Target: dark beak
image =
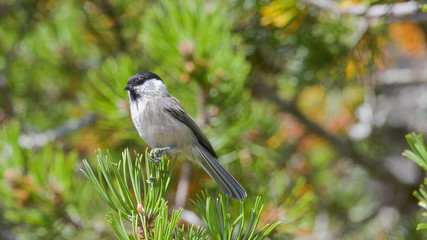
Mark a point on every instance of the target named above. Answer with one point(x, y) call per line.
point(127, 88)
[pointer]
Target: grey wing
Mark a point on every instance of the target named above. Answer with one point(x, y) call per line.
point(177, 112)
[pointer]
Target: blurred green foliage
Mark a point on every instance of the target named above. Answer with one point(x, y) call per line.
point(418, 154)
point(274, 85)
point(38, 192)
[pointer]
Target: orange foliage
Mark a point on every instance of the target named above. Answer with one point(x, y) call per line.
point(315, 102)
point(290, 129)
point(347, 3)
point(410, 39)
point(342, 119)
point(309, 142)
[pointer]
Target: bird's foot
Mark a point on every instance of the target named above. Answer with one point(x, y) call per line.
point(156, 153)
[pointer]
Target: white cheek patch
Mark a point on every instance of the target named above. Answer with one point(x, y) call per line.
point(139, 88)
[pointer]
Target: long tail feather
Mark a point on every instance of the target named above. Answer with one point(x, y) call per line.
point(225, 181)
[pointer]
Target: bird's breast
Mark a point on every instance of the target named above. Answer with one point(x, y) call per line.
point(158, 128)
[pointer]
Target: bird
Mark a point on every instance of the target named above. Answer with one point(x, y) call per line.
point(167, 128)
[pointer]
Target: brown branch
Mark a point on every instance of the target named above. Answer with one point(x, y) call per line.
point(344, 146)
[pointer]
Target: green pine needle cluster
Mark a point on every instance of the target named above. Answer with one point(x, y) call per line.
point(419, 156)
point(135, 192)
point(221, 227)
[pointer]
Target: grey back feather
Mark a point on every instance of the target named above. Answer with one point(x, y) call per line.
point(177, 112)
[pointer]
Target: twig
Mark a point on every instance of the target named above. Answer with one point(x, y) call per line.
point(183, 185)
point(37, 140)
point(402, 76)
point(192, 218)
point(397, 11)
point(362, 28)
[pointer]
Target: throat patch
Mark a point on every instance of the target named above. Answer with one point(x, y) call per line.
point(133, 96)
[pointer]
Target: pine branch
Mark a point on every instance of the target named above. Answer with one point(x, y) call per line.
point(419, 156)
point(141, 202)
point(222, 227)
point(10, 55)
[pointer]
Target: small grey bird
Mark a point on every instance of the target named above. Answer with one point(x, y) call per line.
point(166, 127)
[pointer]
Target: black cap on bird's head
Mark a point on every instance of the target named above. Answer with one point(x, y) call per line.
point(139, 79)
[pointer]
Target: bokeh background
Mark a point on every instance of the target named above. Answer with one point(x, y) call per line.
point(306, 102)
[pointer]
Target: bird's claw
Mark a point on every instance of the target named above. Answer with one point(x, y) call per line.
point(155, 155)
